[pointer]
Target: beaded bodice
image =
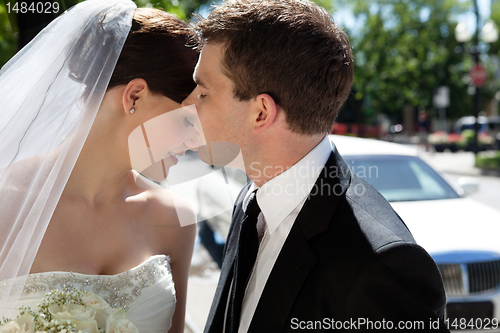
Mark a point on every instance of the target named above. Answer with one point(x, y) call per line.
point(146, 292)
point(117, 290)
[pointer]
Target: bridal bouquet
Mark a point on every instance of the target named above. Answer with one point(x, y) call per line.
point(66, 312)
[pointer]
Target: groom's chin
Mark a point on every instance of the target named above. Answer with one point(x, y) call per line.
point(218, 153)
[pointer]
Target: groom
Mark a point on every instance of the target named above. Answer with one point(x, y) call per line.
point(311, 246)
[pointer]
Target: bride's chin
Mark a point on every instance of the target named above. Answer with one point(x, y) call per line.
point(159, 170)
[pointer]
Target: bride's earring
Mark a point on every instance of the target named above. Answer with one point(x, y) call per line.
point(132, 111)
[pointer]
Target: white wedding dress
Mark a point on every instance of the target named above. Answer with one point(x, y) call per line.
point(146, 292)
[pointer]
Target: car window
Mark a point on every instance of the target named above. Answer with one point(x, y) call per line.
point(494, 127)
point(430, 186)
point(401, 178)
point(482, 127)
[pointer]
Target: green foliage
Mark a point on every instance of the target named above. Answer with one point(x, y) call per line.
point(492, 60)
point(495, 17)
point(7, 39)
point(468, 135)
point(183, 9)
point(492, 161)
point(404, 51)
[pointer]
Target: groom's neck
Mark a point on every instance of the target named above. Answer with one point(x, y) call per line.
point(268, 159)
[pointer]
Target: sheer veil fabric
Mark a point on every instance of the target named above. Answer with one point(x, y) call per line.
point(50, 93)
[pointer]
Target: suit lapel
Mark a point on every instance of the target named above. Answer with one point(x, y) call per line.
point(291, 269)
point(329, 189)
point(297, 258)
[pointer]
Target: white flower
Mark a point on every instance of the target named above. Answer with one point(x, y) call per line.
point(24, 324)
point(103, 310)
point(82, 317)
point(10, 327)
point(118, 322)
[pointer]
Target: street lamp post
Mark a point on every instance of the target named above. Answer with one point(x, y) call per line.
point(477, 92)
point(489, 34)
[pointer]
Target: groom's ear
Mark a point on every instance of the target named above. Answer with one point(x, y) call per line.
point(134, 91)
point(264, 112)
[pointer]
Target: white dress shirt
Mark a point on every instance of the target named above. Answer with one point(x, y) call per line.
point(280, 200)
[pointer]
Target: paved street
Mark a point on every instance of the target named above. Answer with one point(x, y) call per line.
point(489, 189)
point(461, 164)
point(202, 282)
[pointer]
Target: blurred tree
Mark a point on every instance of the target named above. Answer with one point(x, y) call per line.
point(182, 8)
point(492, 58)
point(495, 16)
point(8, 42)
point(403, 51)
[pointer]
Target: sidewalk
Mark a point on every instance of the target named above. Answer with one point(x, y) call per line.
point(203, 278)
point(459, 163)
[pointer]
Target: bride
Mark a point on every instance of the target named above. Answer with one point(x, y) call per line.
point(72, 215)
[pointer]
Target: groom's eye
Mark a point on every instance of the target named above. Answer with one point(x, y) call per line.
point(187, 123)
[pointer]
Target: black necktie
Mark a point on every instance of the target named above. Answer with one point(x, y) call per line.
point(248, 246)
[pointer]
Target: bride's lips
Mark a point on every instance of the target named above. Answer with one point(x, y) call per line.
point(173, 158)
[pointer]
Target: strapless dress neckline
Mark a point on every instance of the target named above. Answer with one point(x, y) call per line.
point(146, 291)
point(160, 257)
point(119, 290)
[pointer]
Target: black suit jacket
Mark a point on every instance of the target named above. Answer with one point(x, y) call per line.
point(349, 262)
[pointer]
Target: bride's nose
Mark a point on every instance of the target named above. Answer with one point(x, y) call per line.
point(192, 142)
point(194, 139)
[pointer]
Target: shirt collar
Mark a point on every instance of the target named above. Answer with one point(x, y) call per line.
point(294, 184)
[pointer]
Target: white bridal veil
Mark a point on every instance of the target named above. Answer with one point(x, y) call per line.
point(50, 93)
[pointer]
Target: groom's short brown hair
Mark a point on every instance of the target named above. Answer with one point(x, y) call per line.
point(289, 49)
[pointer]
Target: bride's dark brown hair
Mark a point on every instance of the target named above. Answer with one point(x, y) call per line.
point(156, 50)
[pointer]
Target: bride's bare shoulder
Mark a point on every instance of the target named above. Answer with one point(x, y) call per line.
point(165, 206)
point(19, 175)
point(167, 218)
point(173, 223)
point(178, 211)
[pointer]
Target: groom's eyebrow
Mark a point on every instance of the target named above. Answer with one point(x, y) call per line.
point(199, 82)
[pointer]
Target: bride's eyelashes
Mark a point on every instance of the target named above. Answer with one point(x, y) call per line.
point(201, 96)
point(188, 123)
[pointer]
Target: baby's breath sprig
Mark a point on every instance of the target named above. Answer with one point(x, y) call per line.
point(58, 297)
point(68, 305)
point(53, 326)
point(23, 310)
point(43, 318)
